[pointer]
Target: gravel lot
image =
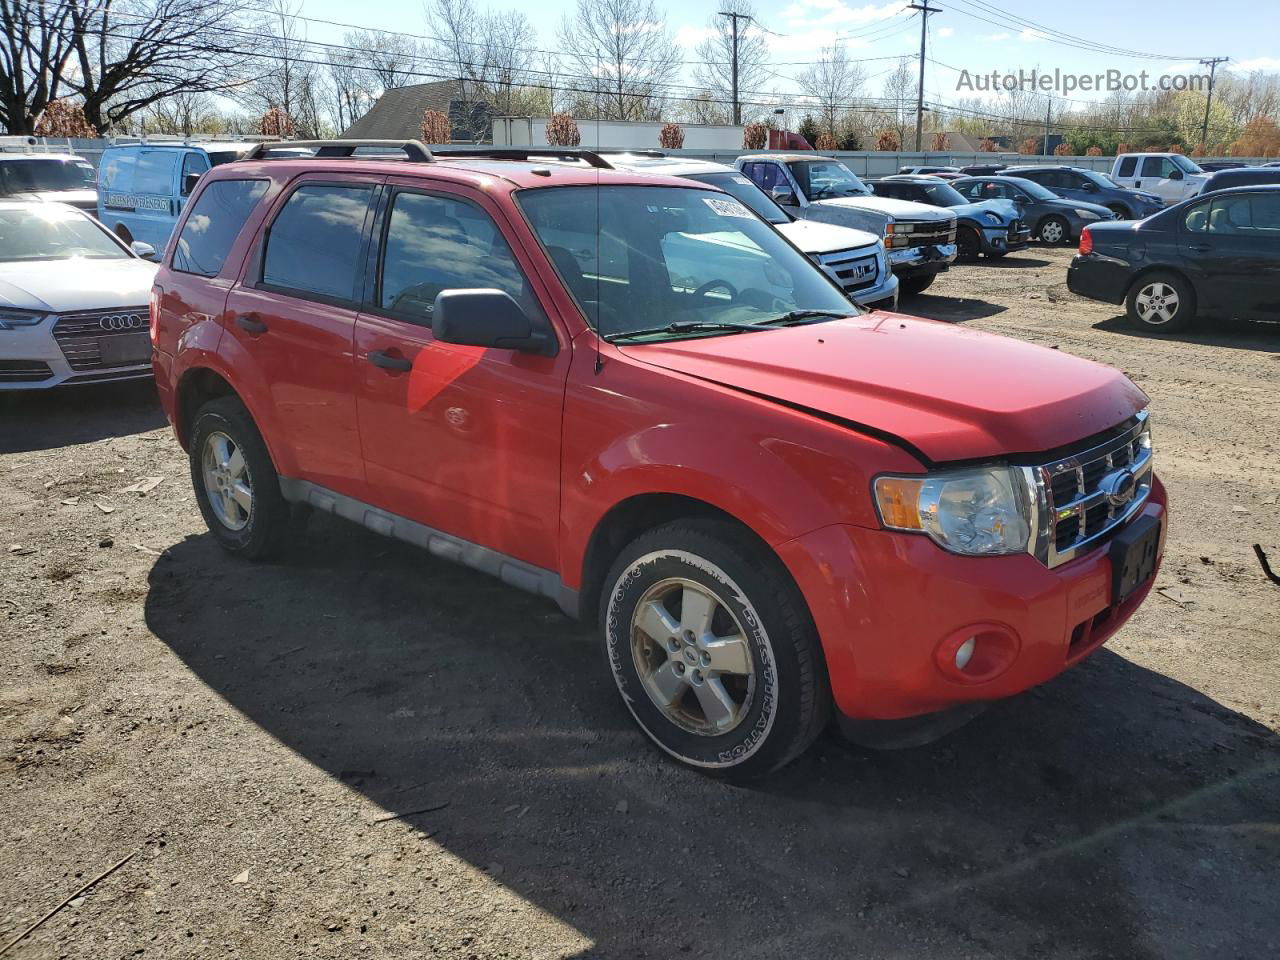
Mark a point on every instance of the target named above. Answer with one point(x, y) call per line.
point(246, 731)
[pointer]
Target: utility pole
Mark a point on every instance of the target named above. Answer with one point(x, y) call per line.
point(1212, 64)
point(1048, 115)
point(734, 18)
point(925, 10)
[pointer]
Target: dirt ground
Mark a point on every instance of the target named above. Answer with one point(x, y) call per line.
point(245, 732)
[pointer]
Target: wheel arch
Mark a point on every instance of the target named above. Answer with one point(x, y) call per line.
point(1147, 271)
point(628, 519)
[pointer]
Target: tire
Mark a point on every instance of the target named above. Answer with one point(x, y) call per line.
point(767, 696)
point(968, 244)
point(1121, 211)
point(1161, 303)
point(255, 526)
point(914, 286)
point(1054, 230)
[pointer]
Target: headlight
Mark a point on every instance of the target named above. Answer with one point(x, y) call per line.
point(992, 218)
point(984, 511)
point(1086, 214)
point(19, 318)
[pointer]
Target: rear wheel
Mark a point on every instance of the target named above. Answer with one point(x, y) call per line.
point(912, 286)
point(235, 481)
point(1054, 230)
point(1161, 303)
point(713, 650)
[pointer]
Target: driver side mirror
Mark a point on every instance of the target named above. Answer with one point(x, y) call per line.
point(488, 318)
point(144, 250)
point(1175, 174)
point(783, 196)
point(189, 183)
point(1089, 187)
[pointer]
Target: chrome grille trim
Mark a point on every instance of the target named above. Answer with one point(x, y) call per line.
point(845, 265)
point(1079, 511)
point(77, 334)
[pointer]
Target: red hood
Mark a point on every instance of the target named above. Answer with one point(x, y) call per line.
point(953, 393)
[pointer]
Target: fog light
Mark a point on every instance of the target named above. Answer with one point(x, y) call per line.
point(964, 653)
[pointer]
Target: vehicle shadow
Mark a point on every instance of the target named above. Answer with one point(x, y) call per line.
point(1014, 261)
point(45, 419)
point(1241, 335)
point(951, 309)
point(1072, 822)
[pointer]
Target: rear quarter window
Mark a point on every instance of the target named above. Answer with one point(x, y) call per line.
point(216, 219)
point(154, 172)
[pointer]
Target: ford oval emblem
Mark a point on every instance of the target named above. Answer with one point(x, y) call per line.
point(1118, 487)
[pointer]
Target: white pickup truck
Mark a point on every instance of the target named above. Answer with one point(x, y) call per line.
point(920, 240)
point(1170, 176)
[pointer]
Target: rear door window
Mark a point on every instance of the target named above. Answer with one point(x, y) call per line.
point(216, 220)
point(314, 243)
point(1127, 167)
point(437, 243)
point(154, 172)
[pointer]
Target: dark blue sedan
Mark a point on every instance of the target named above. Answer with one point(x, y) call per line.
point(1052, 219)
point(1210, 256)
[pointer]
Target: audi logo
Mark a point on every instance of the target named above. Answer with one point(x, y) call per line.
point(122, 321)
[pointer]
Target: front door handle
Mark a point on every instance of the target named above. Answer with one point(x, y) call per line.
point(251, 324)
point(389, 362)
point(1201, 247)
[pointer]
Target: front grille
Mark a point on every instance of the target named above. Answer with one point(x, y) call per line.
point(1090, 493)
point(78, 334)
point(926, 231)
point(853, 269)
point(24, 371)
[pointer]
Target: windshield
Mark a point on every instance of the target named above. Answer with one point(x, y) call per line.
point(667, 255)
point(1033, 188)
point(1101, 179)
point(53, 232)
point(761, 203)
point(821, 179)
point(1185, 165)
point(35, 176)
point(943, 195)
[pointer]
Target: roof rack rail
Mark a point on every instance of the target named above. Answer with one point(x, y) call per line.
point(590, 157)
point(414, 150)
point(632, 152)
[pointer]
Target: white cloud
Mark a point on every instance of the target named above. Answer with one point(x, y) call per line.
point(1257, 63)
point(946, 32)
point(814, 13)
point(998, 37)
point(1032, 36)
point(691, 36)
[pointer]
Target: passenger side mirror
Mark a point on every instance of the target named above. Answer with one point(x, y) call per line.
point(783, 196)
point(189, 183)
point(488, 318)
point(144, 250)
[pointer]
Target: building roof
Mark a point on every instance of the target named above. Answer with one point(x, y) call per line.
point(398, 113)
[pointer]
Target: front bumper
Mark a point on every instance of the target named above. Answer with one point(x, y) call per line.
point(913, 261)
point(882, 296)
point(885, 602)
point(30, 359)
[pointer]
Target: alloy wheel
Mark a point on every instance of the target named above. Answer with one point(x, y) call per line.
point(227, 481)
point(1157, 303)
point(693, 657)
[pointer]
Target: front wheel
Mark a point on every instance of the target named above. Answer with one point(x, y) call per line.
point(1161, 303)
point(1054, 230)
point(713, 650)
point(913, 286)
point(1121, 212)
point(968, 244)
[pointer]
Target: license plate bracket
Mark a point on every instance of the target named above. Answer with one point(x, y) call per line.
point(125, 348)
point(1134, 552)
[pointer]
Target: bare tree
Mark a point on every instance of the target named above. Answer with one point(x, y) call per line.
point(833, 81)
point(116, 56)
point(900, 96)
point(186, 113)
point(291, 82)
point(715, 72)
point(509, 39)
point(626, 50)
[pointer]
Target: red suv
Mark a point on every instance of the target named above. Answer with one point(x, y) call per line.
point(631, 395)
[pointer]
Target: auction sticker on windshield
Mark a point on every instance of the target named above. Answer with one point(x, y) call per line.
point(726, 206)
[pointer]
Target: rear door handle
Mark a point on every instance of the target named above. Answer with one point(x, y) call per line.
point(388, 362)
point(250, 324)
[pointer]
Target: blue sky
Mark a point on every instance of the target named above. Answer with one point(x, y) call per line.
point(959, 35)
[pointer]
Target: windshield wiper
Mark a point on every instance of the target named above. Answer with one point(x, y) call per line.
point(686, 326)
point(796, 317)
